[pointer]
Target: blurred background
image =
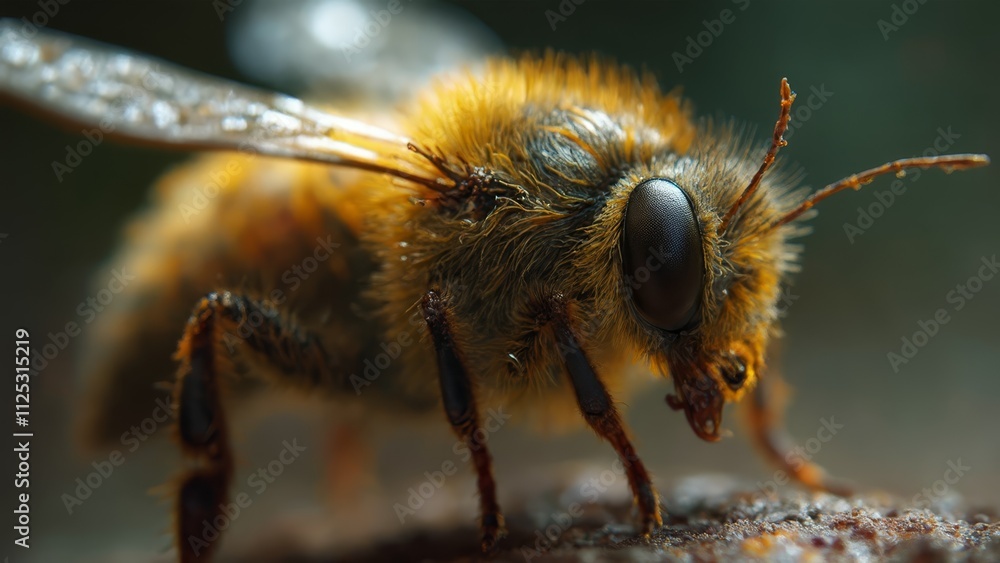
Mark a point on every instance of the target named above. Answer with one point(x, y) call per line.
point(924, 75)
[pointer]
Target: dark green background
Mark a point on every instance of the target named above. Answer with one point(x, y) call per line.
point(855, 301)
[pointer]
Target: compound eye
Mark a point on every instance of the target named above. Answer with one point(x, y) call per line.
point(663, 254)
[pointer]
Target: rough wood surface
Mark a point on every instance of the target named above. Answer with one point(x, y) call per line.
point(711, 519)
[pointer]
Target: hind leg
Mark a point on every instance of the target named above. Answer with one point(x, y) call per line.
point(459, 401)
point(765, 420)
point(219, 321)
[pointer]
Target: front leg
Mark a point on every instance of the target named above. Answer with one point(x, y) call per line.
point(598, 408)
point(765, 418)
point(460, 406)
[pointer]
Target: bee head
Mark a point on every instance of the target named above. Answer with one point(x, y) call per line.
point(705, 247)
point(704, 265)
point(710, 295)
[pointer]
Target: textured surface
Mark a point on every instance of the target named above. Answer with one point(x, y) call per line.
point(712, 519)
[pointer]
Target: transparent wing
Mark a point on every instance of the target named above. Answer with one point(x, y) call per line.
point(145, 99)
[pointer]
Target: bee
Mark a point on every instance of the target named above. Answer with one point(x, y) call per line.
point(519, 237)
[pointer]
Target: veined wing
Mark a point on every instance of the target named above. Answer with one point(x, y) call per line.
point(149, 100)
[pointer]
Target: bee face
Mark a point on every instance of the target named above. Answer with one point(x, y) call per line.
point(710, 292)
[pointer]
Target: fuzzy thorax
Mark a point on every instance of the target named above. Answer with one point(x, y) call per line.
point(537, 159)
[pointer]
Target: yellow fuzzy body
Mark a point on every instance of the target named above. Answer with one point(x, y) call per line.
point(551, 147)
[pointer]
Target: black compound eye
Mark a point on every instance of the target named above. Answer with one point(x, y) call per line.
point(663, 255)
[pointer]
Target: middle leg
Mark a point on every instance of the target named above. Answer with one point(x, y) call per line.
point(460, 406)
point(594, 401)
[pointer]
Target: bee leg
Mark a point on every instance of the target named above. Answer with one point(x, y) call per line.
point(600, 412)
point(765, 417)
point(460, 406)
point(218, 319)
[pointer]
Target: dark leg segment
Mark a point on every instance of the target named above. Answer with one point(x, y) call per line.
point(460, 406)
point(600, 412)
point(222, 319)
point(766, 421)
